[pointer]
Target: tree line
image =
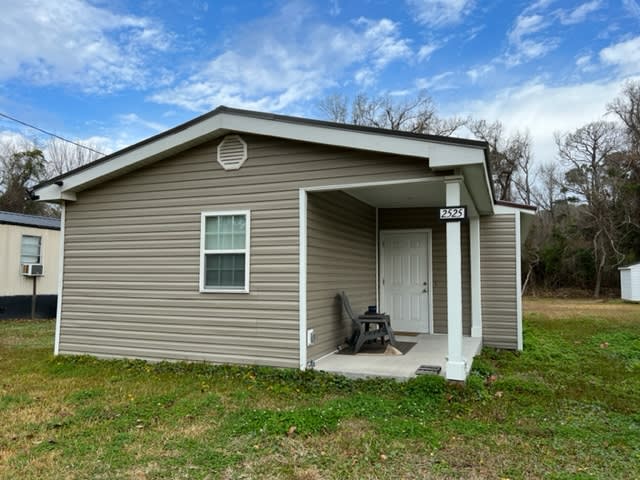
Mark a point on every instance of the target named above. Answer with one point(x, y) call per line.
point(25, 163)
point(588, 197)
point(588, 222)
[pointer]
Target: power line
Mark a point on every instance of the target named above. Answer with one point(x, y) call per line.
point(9, 117)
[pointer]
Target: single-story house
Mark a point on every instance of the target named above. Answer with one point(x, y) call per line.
point(630, 282)
point(29, 253)
point(226, 239)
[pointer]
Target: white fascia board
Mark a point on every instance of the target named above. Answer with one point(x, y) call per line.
point(508, 210)
point(440, 155)
point(468, 200)
point(443, 154)
point(54, 193)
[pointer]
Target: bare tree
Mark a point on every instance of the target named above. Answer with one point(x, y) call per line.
point(64, 156)
point(510, 158)
point(627, 108)
point(547, 191)
point(417, 114)
point(588, 153)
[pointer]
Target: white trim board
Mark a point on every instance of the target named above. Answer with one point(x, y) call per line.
point(518, 246)
point(302, 276)
point(377, 258)
point(439, 153)
point(56, 344)
point(246, 251)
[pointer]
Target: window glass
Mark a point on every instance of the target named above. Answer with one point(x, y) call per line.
point(30, 251)
point(225, 252)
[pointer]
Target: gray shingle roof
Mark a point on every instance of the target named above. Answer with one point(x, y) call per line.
point(36, 221)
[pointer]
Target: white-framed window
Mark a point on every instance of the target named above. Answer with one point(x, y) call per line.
point(224, 251)
point(30, 249)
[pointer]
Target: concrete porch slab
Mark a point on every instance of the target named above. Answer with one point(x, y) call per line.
point(429, 350)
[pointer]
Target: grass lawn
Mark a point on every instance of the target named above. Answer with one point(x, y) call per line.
point(567, 407)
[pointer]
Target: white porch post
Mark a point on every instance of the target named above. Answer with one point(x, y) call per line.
point(474, 255)
point(456, 365)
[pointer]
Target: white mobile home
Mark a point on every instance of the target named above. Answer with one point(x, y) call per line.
point(29, 251)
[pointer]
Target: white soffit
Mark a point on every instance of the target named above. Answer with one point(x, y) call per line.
point(441, 155)
point(405, 195)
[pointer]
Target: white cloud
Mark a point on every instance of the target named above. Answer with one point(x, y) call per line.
point(624, 55)
point(537, 6)
point(632, 7)
point(476, 73)
point(274, 63)
point(365, 77)
point(585, 63)
point(439, 13)
point(522, 47)
point(437, 82)
point(526, 25)
point(385, 41)
point(75, 42)
point(580, 13)
point(425, 51)
point(583, 60)
point(134, 119)
point(544, 109)
point(334, 8)
point(11, 141)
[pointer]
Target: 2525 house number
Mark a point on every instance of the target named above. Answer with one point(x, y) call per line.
point(453, 213)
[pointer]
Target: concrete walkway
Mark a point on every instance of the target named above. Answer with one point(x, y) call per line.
point(429, 350)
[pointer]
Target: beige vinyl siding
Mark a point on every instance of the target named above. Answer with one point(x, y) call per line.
point(498, 278)
point(341, 256)
point(408, 218)
point(132, 253)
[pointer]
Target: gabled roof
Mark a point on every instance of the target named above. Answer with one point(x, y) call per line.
point(36, 221)
point(440, 152)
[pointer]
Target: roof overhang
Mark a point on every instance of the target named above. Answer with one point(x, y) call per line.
point(442, 153)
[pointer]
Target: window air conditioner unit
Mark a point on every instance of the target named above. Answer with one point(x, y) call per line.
point(32, 269)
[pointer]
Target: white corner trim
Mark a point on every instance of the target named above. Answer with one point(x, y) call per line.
point(518, 283)
point(56, 344)
point(377, 260)
point(246, 251)
point(476, 282)
point(302, 279)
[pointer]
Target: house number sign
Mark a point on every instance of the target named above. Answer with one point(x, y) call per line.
point(448, 214)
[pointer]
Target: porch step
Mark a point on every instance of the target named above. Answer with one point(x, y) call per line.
point(428, 370)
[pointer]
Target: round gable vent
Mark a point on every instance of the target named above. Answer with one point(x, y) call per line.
point(232, 152)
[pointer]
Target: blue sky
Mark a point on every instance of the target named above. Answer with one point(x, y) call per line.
point(114, 72)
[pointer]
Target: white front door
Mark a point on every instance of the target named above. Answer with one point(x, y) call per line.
point(405, 279)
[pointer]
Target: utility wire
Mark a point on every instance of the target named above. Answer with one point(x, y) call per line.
point(49, 133)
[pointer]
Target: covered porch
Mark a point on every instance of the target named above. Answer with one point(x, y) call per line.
point(384, 244)
point(429, 350)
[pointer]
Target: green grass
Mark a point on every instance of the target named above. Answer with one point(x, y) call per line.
point(567, 407)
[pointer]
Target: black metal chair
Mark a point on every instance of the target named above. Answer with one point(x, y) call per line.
point(362, 331)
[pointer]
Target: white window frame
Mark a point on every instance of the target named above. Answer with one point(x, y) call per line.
point(39, 262)
point(246, 250)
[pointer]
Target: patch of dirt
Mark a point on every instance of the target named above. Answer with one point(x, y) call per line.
point(575, 307)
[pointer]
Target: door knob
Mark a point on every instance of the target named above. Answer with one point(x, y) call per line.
point(424, 291)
